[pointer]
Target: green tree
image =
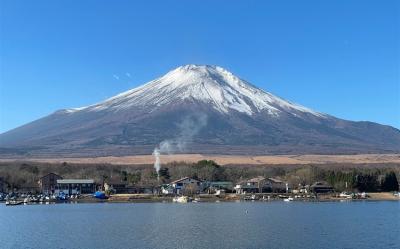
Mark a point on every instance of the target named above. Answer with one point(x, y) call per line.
point(134, 178)
point(208, 170)
point(124, 176)
point(367, 182)
point(164, 174)
point(390, 182)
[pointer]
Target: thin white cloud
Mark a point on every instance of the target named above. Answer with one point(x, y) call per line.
point(128, 75)
point(116, 77)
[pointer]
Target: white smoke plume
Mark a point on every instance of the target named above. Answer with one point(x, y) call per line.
point(189, 127)
point(157, 166)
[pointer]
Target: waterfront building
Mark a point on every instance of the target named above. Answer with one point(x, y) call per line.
point(119, 187)
point(187, 185)
point(277, 185)
point(321, 187)
point(254, 185)
point(48, 183)
point(75, 186)
point(261, 184)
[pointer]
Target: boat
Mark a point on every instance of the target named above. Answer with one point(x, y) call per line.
point(288, 199)
point(266, 198)
point(13, 203)
point(62, 196)
point(181, 199)
point(251, 198)
point(100, 195)
point(345, 195)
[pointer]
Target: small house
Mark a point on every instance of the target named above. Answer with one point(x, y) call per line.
point(277, 186)
point(321, 187)
point(119, 187)
point(254, 185)
point(261, 185)
point(48, 183)
point(186, 185)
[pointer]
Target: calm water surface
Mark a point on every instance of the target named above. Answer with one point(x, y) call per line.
point(202, 225)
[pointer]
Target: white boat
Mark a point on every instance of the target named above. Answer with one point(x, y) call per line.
point(266, 198)
point(288, 199)
point(250, 198)
point(181, 199)
point(14, 203)
point(345, 195)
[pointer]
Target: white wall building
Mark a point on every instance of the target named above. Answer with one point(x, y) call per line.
point(186, 185)
point(75, 186)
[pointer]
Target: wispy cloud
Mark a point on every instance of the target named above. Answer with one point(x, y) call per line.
point(116, 77)
point(128, 75)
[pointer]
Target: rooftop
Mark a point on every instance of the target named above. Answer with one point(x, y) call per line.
point(51, 174)
point(275, 180)
point(75, 181)
point(256, 179)
point(182, 179)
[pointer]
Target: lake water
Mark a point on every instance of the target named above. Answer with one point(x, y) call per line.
point(202, 225)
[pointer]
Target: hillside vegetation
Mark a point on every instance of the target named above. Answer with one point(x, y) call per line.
point(362, 177)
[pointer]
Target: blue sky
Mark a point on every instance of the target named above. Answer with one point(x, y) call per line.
point(337, 57)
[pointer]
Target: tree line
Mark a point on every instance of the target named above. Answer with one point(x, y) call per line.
point(362, 177)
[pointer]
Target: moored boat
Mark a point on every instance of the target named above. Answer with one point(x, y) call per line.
point(345, 195)
point(251, 198)
point(181, 199)
point(100, 195)
point(13, 203)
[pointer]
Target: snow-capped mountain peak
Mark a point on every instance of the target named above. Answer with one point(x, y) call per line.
point(235, 116)
point(203, 83)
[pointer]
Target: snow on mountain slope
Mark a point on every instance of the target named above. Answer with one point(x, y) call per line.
point(208, 84)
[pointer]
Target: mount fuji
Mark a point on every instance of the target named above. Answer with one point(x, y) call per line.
point(196, 109)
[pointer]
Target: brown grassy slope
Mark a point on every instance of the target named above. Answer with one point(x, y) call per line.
point(229, 159)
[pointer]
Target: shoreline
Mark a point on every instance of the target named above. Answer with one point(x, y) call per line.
point(148, 198)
